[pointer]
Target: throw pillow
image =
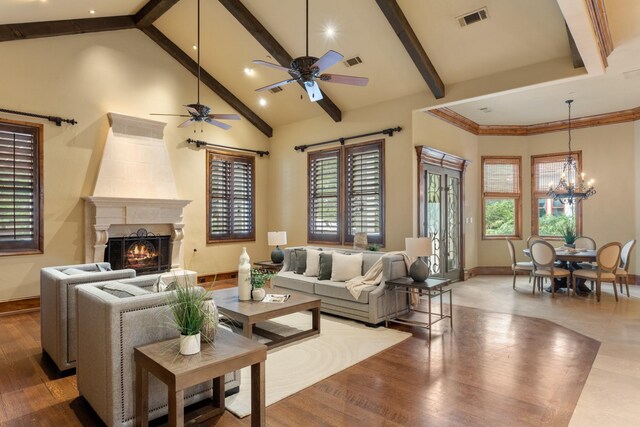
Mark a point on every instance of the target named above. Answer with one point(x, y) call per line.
point(75, 271)
point(124, 290)
point(301, 261)
point(313, 262)
point(345, 267)
point(292, 260)
point(324, 272)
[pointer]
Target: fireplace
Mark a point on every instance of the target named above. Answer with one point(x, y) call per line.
point(142, 251)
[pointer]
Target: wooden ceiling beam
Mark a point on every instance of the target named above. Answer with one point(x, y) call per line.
point(151, 11)
point(34, 30)
point(206, 78)
point(407, 36)
point(275, 49)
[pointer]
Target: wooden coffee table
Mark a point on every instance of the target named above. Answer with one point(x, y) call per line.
point(251, 312)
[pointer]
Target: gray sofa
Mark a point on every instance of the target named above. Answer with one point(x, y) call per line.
point(373, 304)
point(109, 327)
point(58, 306)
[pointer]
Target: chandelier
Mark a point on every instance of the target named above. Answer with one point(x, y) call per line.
point(572, 187)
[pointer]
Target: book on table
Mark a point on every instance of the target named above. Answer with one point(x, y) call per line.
point(276, 298)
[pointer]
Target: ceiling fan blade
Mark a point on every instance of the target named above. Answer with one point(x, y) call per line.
point(172, 115)
point(327, 60)
point(314, 91)
point(217, 123)
point(271, 65)
point(271, 86)
point(192, 110)
point(185, 123)
point(224, 116)
point(346, 80)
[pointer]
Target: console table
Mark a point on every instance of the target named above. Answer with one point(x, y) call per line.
point(430, 288)
point(230, 352)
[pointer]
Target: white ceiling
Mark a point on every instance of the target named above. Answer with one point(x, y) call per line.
point(517, 35)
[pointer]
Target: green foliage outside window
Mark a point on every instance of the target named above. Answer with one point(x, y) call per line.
point(500, 215)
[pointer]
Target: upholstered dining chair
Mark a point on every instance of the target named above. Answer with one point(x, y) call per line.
point(584, 242)
point(544, 258)
point(625, 259)
point(519, 266)
point(533, 238)
point(607, 259)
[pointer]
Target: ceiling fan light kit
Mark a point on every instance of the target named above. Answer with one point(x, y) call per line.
point(307, 70)
point(199, 112)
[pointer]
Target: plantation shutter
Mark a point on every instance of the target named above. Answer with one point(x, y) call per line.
point(20, 192)
point(501, 176)
point(324, 196)
point(364, 192)
point(231, 197)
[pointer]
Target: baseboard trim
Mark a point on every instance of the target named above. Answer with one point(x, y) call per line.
point(206, 278)
point(23, 305)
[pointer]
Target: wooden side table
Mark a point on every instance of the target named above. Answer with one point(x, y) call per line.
point(230, 352)
point(269, 266)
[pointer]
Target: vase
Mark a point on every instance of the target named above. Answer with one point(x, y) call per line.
point(258, 294)
point(190, 344)
point(244, 276)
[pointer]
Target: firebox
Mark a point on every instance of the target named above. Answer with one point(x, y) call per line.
point(142, 251)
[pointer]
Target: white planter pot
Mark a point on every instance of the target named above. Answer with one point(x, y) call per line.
point(190, 344)
point(258, 294)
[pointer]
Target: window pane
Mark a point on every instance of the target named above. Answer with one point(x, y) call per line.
point(553, 216)
point(500, 215)
point(324, 196)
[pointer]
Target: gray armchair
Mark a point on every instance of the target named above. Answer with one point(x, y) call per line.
point(58, 306)
point(109, 327)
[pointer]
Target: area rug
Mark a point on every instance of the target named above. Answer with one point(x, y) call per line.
point(289, 369)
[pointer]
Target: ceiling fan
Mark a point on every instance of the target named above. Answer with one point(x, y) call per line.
point(307, 70)
point(198, 112)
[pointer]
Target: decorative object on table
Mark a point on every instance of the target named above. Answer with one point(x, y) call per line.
point(259, 279)
point(189, 315)
point(244, 276)
point(418, 247)
point(360, 241)
point(569, 233)
point(373, 247)
point(571, 188)
point(277, 238)
point(210, 325)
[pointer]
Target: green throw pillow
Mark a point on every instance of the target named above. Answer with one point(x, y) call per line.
point(301, 261)
point(325, 266)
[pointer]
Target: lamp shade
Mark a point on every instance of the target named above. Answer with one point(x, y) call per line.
point(418, 246)
point(276, 238)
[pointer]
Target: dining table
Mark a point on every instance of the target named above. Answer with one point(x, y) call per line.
point(570, 259)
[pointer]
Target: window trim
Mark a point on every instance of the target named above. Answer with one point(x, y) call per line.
point(343, 237)
point(535, 195)
point(517, 197)
point(232, 157)
point(38, 177)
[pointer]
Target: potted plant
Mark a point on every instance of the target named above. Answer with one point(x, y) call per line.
point(569, 233)
point(190, 312)
point(259, 279)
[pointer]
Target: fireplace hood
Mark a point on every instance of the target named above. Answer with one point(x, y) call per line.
point(135, 188)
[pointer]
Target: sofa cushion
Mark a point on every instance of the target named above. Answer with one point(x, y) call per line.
point(294, 281)
point(324, 272)
point(339, 290)
point(313, 263)
point(301, 261)
point(124, 290)
point(346, 267)
point(76, 271)
point(368, 259)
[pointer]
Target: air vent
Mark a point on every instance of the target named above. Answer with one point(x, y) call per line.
point(276, 89)
point(352, 61)
point(473, 17)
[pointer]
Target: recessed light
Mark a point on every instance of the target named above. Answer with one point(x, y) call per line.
point(262, 102)
point(92, 12)
point(248, 71)
point(329, 31)
point(195, 47)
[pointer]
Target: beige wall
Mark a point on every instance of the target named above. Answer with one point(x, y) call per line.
point(84, 77)
point(608, 156)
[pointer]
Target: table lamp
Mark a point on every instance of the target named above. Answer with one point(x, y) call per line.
point(277, 238)
point(418, 247)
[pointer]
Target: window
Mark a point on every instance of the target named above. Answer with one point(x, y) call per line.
point(548, 216)
point(230, 197)
point(21, 194)
point(346, 193)
point(501, 201)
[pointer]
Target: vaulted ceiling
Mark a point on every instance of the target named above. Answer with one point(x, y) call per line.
point(482, 66)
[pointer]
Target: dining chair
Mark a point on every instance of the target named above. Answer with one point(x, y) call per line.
point(519, 266)
point(607, 259)
point(533, 238)
point(584, 242)
point(625, 259)
point(544, 258)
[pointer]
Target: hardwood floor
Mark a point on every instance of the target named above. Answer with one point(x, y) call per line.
point(492, 369)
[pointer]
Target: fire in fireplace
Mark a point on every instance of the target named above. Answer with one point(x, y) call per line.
point(142, 251)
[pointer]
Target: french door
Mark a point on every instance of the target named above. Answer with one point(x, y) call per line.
point(441, 196)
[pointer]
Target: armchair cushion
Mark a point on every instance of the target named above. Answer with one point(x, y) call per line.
point(124, 290)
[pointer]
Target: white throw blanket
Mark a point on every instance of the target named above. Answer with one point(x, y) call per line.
point(374, 275)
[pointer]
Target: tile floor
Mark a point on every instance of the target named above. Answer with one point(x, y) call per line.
point(612, 391)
